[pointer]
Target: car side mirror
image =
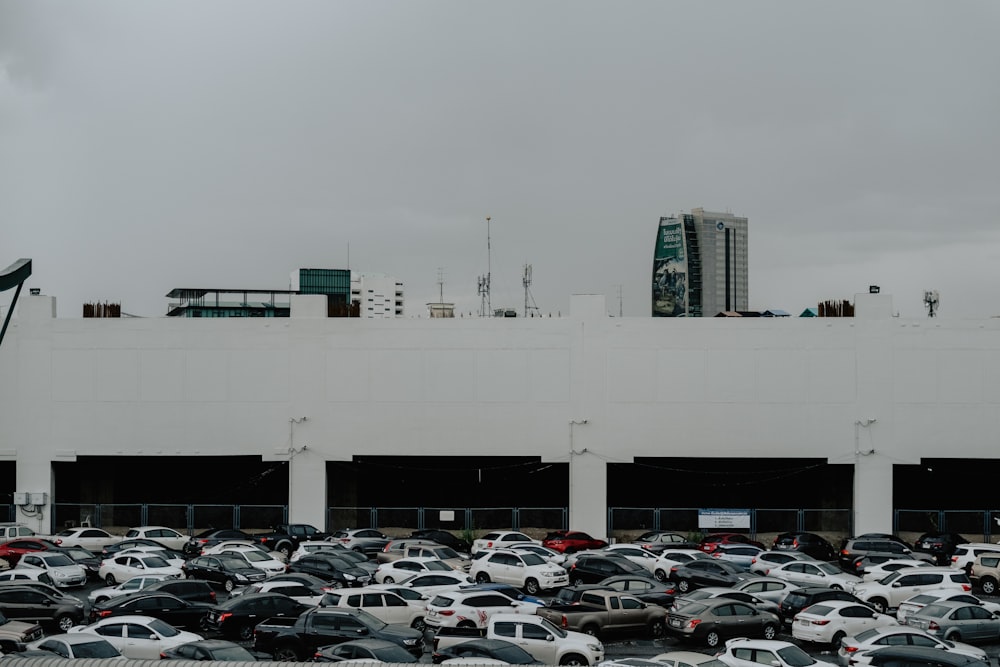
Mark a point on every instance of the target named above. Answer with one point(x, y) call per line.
point(362, 631)
point(153, 638)
point(549, 638)
point(895, 584)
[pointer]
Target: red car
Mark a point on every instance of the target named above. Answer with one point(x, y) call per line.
point(13, 550)
point(568, 541)
point(710, 543)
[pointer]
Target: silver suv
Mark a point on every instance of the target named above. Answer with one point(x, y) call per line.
point(986, 572)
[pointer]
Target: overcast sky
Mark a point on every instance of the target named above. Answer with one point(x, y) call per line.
point(146, 146)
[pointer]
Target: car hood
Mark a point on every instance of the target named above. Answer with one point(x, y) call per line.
point(399, 632)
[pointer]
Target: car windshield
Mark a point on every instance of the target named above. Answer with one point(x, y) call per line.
point(441, 601)
point(935, 611)
point(255, 556)
point(551, 627)
point(444, 553)
point(532, 559)
point(98, 649)
point(371, 621)
point(163, 629)
point(828, 568)
point(437, 565)
point(866, 635)
point(58, 560)
point(78, 554)
point(629, 566)
point(889, 578)
point(793, 656)
point(155, 561)
point(232, 562)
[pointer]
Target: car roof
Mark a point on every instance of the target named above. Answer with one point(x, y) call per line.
point(931, 654)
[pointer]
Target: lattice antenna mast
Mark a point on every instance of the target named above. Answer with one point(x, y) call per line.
point(529, 300)
point(931, 301)
point(440, 284)
point(485, 304)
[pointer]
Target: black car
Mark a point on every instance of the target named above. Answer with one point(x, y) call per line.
point(492, 649)
point(39, 605)
point(84, 558)
point(211, 537)
point(919, 656)
point(369, 650)
point(227, 572)
point(800, 598)
point(336, 571)
point(443, 537)
point(810, 544)
point(192, 590)
point(592, 569)
point(164, 606)
point(236, 618)
point(705, 572)
point(940, 545)
point(112, 549)
point(218, 650)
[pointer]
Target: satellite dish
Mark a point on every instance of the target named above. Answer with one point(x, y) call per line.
point(931, 301)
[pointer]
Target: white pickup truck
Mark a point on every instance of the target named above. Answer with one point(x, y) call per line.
point(549, 644)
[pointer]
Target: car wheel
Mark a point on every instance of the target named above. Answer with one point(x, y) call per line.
point(573, 659)
point(101, 599)
point(65, 622)
point(879, 604)
point(285, 654)
point(657, 628)
point(466, 624)
point(285, 550)
point(419, 624)
point(684, 585)
point(578, 581)
point(229, 585)
point(531, 587)
point(358, 550)
point(660, 575)
point(836, 587)
point(110, 580)
point(770, 631)
point(954, 636)
point(837, 636)
point(989, 585)
point(482, 578)
point(388, 580)
point(245, 633)
point(337, 584)
point(712, 639)
point(590, 629)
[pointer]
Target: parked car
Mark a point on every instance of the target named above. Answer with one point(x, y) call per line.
point(829, 622)
point(889, 591)
point(941, 545)
point(164, 606)
point(686, 659)
point(63, 571)
point(810, 544)
point(697, 573)
point(196, 544)
point(711, 542)
point(483, 649)
point(12, 550)
point(765, 560)
point(711, 621)
point(658, 540)
point(227, 572)
point(814, 573)
point(138, 637)
point(647, 590)
point(286, 537)
point(741, 555)
point(668, 558)
point(593, 568)
point(500, 538)
point(551, 556)
point(132, 585)
point(442, 553)
point(216, 650)
point(855, 548)
point(293, 589)
point(715, 592)
point(78, 646)
point(957, 621)
point(434, 582)
point(444, 537)
point(568, 541)
point(126, 566)
point(128, 544)
point(92, 539)
point(368, 541)
point(404, 568)
point(168, 537)
point(766, 588)
point(854, 650)
point(314, 546)
point(918, 656)
point(965, 554)
point(194, 590)
point(745, 652)
point(258, 559)
point(634, 553)
point(42, 604)
point(914, 604)
point(801, 598)
point(237, 617)
point(524, 570)
point(386, 605)
point(985, 573)
point(365, 650)
point(336, 571)
point(876, 571)
point(471, 608)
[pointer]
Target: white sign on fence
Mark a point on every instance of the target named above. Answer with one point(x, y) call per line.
point(446, 515)
point(724, 518)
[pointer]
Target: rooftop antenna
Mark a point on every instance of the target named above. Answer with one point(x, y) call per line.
point(529, 300)
point(440, 285)
point(931, 301)
point(619, 301)
point(485, 304)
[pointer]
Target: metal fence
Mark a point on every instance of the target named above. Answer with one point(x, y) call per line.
point(833, 522)
point(190, 518)
point(974, 525)
point(450, 518)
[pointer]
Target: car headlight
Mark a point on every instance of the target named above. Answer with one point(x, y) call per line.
point(240, 577)
point(350, 577)
point(409, 642)
point(594, 647)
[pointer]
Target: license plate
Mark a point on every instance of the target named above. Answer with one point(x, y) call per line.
point(675, 622)
point(805, 623)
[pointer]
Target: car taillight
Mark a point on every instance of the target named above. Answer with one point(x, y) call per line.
point(447, 612)
point(572, 567)
point(345, 540)
point(693, 622)
point(103, 613)
point(753, 560)
point(163, 656)
point(850, 649)
point(211, 595)
point(385, 549)
point(316, 656)
point(565, 621)
point(845, 552)
point(933, 626)
point(966, 587)
point(954, 559)
point(717, 554)
point(795, 543)
point(822, 621)
point(673, 569)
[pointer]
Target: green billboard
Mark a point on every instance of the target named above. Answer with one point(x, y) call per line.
point(670, 270)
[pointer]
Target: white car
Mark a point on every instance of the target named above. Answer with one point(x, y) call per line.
point(912, 605)
point(294, 589)
point(683, 658)
point(766, 588)
point(551, 555)
point(26, 574)
point(172, 557)
point(966, 554)
point(168, 537)
point(855, 650)
point(830, 621)
point(634, 553)
point(380, 603)
point(312, 546)
point(814, 573)
point(91, 539)
point(885, 568)
point(217, 549)
point(672, 558)
point(740, 555)
point(132, 585)
point(499, 539)
point(892, 589)
point(435, 582)
point(62, 569)
point(519, 568)
point(259, 559)
point(765, 560)
point(411, 596)
point(405, 568)
point(123, 568)
point(471, 609)
point(743, 652)
point(445, 554)
point(138, 637)
point(78, 645)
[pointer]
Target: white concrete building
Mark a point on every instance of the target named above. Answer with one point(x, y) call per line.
point(380, 296)
point(871, 391)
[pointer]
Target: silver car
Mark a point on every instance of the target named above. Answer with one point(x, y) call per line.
point(854, 650)
point(957, 621)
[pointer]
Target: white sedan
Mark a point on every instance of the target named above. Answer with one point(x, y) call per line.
point(123, 568)
point(91, 539)
point(814, 573)
point(435, 582)
point(405, 568)
point(138, 637)
point(830, 621)
point(172, 557)
point(312, 546)
point(134, 584)
point(856, 650)
point(293, 589)
point(241, 544)
point(672, 558)
point(168, 537)
point(259, 559)
point(634, 553)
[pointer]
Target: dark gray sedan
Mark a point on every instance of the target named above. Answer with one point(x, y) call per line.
point(957, 621)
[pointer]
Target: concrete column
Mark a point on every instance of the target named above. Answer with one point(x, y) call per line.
point(588, 493)
point(872, 494)
point(307, 488)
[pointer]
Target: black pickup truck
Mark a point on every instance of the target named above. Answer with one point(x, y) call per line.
point(296, 639)
point(287, 536)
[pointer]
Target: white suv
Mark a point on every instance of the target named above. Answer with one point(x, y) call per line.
point(966, 554)
point(471, 609)
point(519, 568)
point(887, 593)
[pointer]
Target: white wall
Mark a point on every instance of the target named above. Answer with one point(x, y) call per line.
point(714, 387)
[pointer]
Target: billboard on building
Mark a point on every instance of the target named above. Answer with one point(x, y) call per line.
point(670, 270)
